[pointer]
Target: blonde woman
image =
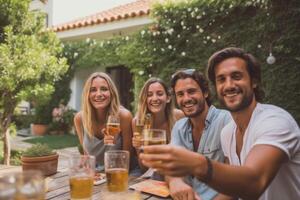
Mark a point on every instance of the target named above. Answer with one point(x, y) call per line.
point(155, 99)
point(99, 100)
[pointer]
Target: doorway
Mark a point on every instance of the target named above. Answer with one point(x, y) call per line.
point(123, 81)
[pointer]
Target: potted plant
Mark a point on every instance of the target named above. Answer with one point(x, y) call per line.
point(40, 157)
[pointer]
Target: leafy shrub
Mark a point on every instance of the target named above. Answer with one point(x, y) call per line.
point(16, 157)
point(23, 121)
point(37, 150)
point(41, 114)
point(62, 119)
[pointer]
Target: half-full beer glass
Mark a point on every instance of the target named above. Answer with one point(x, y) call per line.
point(81, 176)
point(153, 137)
point(116, 170)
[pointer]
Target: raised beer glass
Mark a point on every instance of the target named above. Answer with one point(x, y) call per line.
point(139, 126)
point(113, 126)
point(153, 137)
point(116, 169)
point(137, 131)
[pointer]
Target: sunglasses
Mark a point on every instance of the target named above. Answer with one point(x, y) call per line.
point(184, 71)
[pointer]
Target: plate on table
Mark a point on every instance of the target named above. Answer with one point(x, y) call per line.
point(99, 178)
point(158, 188)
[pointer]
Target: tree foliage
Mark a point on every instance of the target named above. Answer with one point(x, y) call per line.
point(12, 12)
point(29, 59)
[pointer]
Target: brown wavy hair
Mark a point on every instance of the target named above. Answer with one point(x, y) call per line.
point(253, 67)
point(196, 76)
point(142, 109)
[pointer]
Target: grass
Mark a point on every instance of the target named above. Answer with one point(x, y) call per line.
point(56, 141)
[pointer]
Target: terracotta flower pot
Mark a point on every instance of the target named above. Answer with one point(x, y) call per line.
point(46, 164)
point(39, 129)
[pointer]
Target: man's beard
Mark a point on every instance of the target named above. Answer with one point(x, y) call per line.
point(200, 109)
point(246, 101)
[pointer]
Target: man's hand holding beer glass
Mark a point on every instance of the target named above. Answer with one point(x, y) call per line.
point(173, 161)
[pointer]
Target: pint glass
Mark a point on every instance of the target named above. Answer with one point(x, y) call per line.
point(81, 176)
point(116, 170)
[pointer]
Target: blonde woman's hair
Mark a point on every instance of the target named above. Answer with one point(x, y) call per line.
point(143, 110)
point(88, 111)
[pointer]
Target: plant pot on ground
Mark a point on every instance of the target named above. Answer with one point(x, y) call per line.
point(40, 157)
point(42, 117)
point(39, 129)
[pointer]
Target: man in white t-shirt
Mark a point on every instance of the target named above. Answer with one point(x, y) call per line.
point(262, 142)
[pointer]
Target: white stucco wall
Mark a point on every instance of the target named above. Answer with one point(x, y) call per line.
point(67, 10)
point(46, 7)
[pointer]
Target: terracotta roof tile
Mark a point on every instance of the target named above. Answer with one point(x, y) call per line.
point(130, 10)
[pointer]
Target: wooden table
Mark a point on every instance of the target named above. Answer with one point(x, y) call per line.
point(5, 169)
point(58, 189)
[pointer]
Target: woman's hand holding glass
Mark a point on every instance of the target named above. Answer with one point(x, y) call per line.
point(136, 140)
point(108, 139)
point(111, 130)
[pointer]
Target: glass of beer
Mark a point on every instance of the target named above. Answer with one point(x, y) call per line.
point(24, 185)
point(137, 132)
point(116, 169)
point(153, 137)
point(113, 125)
point(81, 176)
point(139, 126)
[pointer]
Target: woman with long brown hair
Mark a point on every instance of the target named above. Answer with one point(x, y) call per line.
point(155, 100)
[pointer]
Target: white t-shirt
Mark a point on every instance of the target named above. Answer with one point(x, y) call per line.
point(270, 125)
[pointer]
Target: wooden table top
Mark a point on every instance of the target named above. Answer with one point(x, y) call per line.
point(58, 189)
